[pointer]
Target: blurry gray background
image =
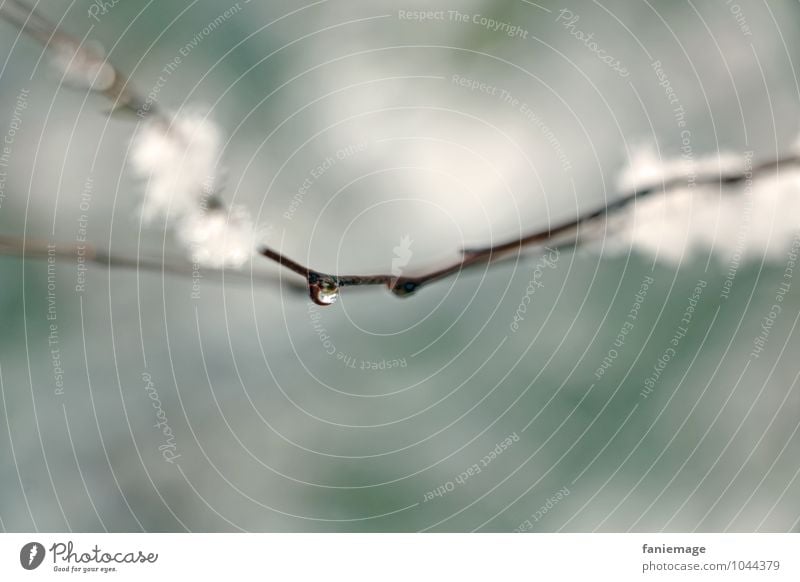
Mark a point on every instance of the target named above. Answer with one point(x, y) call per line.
point(274, 432)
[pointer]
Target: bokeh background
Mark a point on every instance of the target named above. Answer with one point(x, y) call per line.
point(371, 415)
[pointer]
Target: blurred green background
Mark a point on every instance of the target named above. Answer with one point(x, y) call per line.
point(276, 424)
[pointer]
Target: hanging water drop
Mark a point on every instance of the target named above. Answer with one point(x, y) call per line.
point(323, 290)
point(404, 286)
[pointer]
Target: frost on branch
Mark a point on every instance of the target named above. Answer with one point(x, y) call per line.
point(754, 217)
point(219, 238)
point(179, 163)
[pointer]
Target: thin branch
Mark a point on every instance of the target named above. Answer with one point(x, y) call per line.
point(39, 249)
point(323, 287)
point(120, 92)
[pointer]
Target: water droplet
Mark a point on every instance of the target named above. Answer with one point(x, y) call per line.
point(404, 287)
point(323, 290)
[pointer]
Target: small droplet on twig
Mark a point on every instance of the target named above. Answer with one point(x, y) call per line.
point(403, 287)
point(323, 290)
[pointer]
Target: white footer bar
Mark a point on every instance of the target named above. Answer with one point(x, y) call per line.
point(400, 557)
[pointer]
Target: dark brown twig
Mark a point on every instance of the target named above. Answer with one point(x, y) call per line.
point(323, 287)
point(30, 21)
point(39, 249)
